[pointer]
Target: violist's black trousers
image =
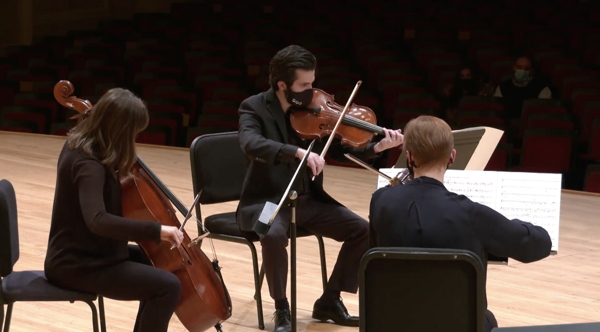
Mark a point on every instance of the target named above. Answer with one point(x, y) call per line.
point(325, 219)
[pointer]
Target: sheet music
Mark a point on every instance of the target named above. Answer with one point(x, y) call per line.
point(531, 197)
point(479, 186)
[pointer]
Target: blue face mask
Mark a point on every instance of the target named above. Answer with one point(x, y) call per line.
point(522, 75)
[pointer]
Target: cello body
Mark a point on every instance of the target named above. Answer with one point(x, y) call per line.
point(205, 301)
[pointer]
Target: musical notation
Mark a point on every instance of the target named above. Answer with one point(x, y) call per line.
point(476, 185)
point(531, 197)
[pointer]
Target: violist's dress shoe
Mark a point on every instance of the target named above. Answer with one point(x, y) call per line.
point(335, 311)
point(282, 321)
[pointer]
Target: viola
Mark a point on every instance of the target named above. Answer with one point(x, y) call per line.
point(357, 128)
point(205, 300)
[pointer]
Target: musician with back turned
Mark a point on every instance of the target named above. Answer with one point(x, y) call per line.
point(423, 213)
point(275, 150)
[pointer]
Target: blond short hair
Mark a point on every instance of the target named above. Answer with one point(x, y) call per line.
point(429, 140)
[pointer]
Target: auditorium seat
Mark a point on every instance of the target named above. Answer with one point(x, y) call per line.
point(8, 90)
point(594, 142)
point(61, 128)
point(172, 120)
point(592, 178)
point(38, 115)
point(155, 134)
point(529, 109)
point(482, 117)
point(501, 158)
point(20, 126)
point(546, 150)
point(591, 112)
point(550, 121)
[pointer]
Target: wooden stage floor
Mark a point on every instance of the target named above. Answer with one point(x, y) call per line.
point(560, 289)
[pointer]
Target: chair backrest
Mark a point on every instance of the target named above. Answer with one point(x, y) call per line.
point(218, 167)
point(421, 289)
point(9, 232)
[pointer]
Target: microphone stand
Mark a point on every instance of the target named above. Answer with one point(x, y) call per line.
point(292, 196)
point(267, 216)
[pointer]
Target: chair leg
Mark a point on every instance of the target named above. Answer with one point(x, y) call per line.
point(257, 286)
point(261, 276)
point(94, 315)
point(323, 262)
point(2, 317)
point(8, 316)
point(102, 317)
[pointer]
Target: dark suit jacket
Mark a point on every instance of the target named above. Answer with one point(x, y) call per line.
point(424, 214)
point(263, 136)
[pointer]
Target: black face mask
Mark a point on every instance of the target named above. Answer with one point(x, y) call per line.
point(299, 99)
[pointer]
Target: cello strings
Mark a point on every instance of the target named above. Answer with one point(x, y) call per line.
point(212, 245)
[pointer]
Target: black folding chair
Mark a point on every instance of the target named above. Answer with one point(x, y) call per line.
point(218, 169)
point(421, 289)
point(29, 286)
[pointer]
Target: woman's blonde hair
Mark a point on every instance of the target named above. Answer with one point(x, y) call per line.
point(429, 140)
point(108, 131)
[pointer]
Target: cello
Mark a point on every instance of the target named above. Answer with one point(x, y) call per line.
point(205, 300)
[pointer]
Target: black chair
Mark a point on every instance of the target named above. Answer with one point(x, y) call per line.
point(218, 169)
point(421, 289)
point(579, 327)
point(29, 286)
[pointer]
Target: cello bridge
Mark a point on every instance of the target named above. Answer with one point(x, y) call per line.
point(198, 239)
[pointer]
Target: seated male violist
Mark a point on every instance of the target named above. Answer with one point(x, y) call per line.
point(275, 150)
point(424, 214)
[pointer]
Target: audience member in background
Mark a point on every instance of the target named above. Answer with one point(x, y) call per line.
point(466, 83)
point(523, 85)
point(424, 214)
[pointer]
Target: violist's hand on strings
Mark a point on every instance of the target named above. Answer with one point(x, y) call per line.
point(171, 234)
point(314, 161)
point(393, 138)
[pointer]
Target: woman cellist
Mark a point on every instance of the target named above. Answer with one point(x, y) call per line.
point(88, 244)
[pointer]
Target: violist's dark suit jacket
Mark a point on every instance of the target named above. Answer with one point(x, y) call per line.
point(264, 138)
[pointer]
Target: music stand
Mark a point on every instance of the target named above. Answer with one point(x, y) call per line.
point(474, 148)
point(267, 216)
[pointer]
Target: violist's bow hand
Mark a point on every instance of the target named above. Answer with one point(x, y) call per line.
point(393, 138)
point(172, 235)
point(314, 161)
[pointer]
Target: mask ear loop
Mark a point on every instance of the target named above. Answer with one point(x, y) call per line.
point(451, 161)
point(410, 165)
